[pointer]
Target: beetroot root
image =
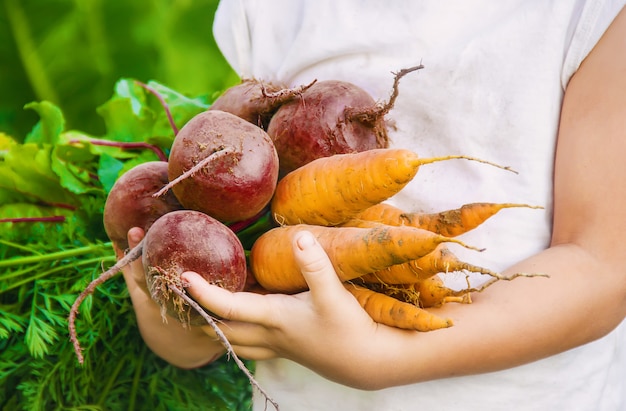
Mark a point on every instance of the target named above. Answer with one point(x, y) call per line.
point(188, 240)
point(130, 202)
point(331, 117)
point(255, 101)
point(241, 176)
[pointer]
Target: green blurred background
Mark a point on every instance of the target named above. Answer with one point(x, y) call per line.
point(72, 53)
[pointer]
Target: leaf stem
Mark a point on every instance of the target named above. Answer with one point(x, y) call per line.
point(59, 255)
point(132, 397)
point(164, 104)
point(46, 273)
point(123, 145)
point(50, 219)
point(19, 246)
point(110, 381)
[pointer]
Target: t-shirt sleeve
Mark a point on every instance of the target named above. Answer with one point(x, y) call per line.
point(243, 32)
point(232, 35)
point(595, 17)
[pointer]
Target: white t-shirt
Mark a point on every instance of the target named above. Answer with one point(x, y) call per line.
point(492, 86)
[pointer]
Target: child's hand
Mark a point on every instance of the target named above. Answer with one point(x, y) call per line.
point(133, 273)
point(324, 329)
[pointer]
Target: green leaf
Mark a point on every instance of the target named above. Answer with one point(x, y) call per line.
point(50, 125)
point(10, 323)
point(76, 176)
point(170, 42)
point(6, 141)
point(183, 108)
point(39, 336)
point(27, 171)
point(126, 115)
point(109, 171)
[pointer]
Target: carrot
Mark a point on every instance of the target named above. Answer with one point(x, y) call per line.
point(353, 251)
point(440, 260)
point(330, 190)
point(433, 293)
point(450, 223)
point(387, 310)
point(426, 293)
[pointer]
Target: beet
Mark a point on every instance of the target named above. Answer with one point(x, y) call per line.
point(241, 176)
point(188, 240)
point(130, 202)
point(318, 125)
point(331, 117)
point(255, 101)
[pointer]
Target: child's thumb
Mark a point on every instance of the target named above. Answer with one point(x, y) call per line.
point(316, 267)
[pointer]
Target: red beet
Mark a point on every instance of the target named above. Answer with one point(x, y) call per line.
point(318, 125)
point(255, 101)
point(241, 176)
point(131, 203)
point(331, 117)
point(188, 240)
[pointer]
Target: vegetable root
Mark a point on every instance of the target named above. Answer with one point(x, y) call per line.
point(450, 223)
point(440, 260)
point(353, 251)
point(195, 169)
point(385, 309)
point(371, 115)
point(134, 254)
point(256, 101)
point(426, 293)
point(432, 292)
point(331, 190)
point(222, 338)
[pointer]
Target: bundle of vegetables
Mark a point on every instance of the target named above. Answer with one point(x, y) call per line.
point(388, 258)
point(53, 189)
point(265, 161)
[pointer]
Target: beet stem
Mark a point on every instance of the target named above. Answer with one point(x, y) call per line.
point(237, 226)
point(223, 340)
point(131, 256)
point(51, 219)
point(193, 170)
point(163, 104)
point(128, 145)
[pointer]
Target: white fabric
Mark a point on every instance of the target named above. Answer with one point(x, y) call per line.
point(492, 86)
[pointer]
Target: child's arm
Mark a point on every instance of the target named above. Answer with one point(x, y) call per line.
point(516, 322)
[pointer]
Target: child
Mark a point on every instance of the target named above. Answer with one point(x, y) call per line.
point(534, 85)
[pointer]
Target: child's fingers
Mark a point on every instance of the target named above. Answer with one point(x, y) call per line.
point(135, 235)
point(319, 273)
point(134, 271)
point(241, 306)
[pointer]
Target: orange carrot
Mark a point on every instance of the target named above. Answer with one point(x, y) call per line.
point(353, 251)
point(387, 310)
point(331, 190)
point(426, 293)
point(440, 260)
point(433, 293)
point(450, 223)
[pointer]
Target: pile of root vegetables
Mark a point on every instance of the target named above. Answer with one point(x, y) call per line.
point(266, 161)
